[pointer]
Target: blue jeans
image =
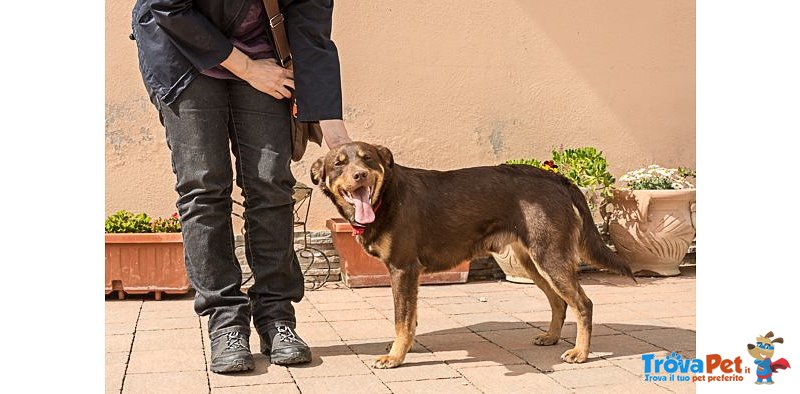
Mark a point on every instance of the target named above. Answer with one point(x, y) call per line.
point(210, 120)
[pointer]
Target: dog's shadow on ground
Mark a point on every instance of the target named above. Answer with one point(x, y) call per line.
point(507, 344)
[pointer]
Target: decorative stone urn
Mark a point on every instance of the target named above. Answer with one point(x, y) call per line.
point(653, 229)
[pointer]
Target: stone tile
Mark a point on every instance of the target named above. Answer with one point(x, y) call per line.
point(357, 314)
point(166, 361)
point(114, 375)
point(675, 309)
point(117, 358)
point(627, 388)
point(615, 346)
point(119, 343)
point(637, 325)
point(120, 328)
point(277, 388)
point(355, 384)
point(513, 339)
point(169, 324)
point(317, 332)
point(369, 292)
point(594, 376)
point(340, 306)
point(681, 387)
point(448, 341)
point(330, 364)
point(511, 379)
point(333, 296)
point(477, 355)
point(369, 349)
point(122, 311)
point(307, 315)
point(685, 322)
point(168, 314)
point(431, 321)
point(357, 329)
point(419, 367)
point(484, 287)
point(451, 300)
point(669, 338)
point(381, 303)
point(168, 305)
point(442, 291)
point(548, 358)
point(542, 317)
point(263, 374)
point(472, 307)
point(190, 382)
point(490, 321)
point(570, 330)
point(456, 385)
point(179, 339)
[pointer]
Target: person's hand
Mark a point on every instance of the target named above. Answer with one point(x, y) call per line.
point(264, 74)
point(334, 132)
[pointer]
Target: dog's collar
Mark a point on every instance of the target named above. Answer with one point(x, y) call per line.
point(359, 229)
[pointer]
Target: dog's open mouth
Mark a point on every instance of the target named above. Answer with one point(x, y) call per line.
point(361, 200)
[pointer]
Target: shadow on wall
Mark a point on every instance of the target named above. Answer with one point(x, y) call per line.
point(637, 56)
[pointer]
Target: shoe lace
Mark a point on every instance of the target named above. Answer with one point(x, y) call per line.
point(286, 334)
point(235, 341)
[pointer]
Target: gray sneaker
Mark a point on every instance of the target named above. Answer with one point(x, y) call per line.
point(283, 346)
point(231, 353)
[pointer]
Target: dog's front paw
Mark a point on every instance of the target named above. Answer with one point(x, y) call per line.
point(545, 339)
point(575, 355)
point(386, 362)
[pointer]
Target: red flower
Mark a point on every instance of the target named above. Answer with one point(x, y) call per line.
point(175, 215)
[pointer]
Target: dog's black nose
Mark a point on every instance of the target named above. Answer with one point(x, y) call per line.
point(359, 175)
point(750, 346)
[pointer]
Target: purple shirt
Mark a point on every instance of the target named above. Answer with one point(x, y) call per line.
point(251, 37)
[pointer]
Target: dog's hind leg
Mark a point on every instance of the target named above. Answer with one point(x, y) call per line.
point(558, 306)
point(560, 273)
point(405, 287)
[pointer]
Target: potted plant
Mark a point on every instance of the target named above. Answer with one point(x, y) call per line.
point(144, 255)
point(652, 223)
point(588, 169)
point(359, 269)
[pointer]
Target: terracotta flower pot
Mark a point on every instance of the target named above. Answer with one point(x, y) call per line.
point(145, 263)
point(360, 269)
point(653, 229)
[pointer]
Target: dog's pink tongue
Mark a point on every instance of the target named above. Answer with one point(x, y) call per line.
point(364, 212)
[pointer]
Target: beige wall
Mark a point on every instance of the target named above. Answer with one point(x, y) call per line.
point(448, 84)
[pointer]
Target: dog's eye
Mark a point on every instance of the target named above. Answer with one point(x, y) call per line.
point(366, 158)
point(338, 163)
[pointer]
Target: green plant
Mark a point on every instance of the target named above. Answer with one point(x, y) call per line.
point(169, 225)
point(586, 167)
point(127, 222)
point(655, 177)
point(527, 162)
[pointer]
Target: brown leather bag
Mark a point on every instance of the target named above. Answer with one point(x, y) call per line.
point(302, 132)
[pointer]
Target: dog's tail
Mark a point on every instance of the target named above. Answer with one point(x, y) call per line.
point(594, 250)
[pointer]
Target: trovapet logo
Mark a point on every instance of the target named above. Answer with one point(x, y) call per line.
point(762, 352)
point(716, 368)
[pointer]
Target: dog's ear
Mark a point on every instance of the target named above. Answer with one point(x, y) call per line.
point(318, 171)
point(777, 340)
point(385, 155)
point(769, 335)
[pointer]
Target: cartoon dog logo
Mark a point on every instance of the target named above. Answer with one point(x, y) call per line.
point(762, 351)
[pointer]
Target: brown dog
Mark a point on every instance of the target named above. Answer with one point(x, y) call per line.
point(418, 220)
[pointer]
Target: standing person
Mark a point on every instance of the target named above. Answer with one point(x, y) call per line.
point(209, 68)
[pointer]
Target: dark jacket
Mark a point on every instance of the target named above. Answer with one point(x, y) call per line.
point(176, 39)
